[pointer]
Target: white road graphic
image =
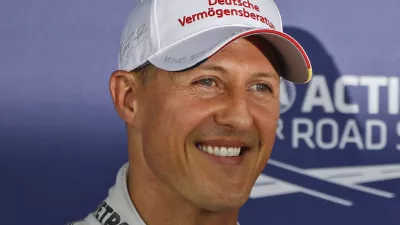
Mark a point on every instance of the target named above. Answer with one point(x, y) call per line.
point(349, 177)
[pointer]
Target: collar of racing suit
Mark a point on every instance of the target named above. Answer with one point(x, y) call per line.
point(118, 207)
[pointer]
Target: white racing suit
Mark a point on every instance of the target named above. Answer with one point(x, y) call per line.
point(117, 209)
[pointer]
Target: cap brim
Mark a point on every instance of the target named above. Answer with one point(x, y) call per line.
point(200, 46)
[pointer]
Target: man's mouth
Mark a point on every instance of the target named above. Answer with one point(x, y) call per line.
point(222, 151)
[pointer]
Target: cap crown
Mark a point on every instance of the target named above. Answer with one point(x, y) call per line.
point(156, 24)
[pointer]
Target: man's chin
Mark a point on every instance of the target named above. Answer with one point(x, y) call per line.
point(223, 203)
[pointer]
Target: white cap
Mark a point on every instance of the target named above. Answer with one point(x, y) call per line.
point(174, 35)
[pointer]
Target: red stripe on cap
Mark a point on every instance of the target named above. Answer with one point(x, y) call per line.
point(287, 37)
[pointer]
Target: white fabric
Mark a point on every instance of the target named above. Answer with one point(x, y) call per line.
point(117, 209)
point(177, 34)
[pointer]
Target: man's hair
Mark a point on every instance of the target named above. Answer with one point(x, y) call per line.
point(144, 72)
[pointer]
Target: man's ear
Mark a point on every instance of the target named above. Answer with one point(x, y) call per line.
point(123, 88)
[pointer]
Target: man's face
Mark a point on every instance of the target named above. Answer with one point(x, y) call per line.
point(190, 121)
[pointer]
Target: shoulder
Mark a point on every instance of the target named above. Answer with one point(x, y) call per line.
point(79, 222)
point(90, 220)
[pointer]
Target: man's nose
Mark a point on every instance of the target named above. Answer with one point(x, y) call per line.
point(235, 113)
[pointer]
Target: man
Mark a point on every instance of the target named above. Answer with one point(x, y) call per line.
point(198, 88)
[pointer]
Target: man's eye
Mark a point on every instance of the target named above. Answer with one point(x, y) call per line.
point(206, 82)
point(261, 87)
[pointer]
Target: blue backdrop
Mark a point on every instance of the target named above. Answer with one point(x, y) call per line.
point(336, 160)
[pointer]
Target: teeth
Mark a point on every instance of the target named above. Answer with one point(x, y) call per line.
point(210, 150)
point(223, 151)
point(216, 151)
point(230, 152)
point(220, 151)
point(237, 151)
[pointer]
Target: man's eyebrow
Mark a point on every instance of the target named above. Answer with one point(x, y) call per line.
point(213, 68)
point(267, 75)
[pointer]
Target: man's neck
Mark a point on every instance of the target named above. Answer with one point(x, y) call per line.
point(157, 204)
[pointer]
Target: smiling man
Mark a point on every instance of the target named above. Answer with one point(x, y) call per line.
point(198, 88)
